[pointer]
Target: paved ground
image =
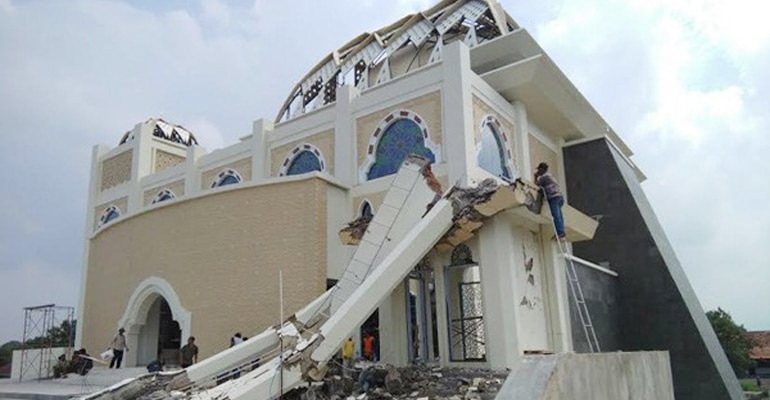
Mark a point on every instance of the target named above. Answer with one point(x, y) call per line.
point(65, 388)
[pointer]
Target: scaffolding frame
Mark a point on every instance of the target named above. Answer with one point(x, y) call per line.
point(38, 322)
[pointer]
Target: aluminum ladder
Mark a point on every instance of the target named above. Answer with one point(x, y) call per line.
point(576, 290)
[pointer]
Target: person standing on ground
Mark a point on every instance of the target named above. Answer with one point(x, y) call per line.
point(548, 184)
point(348, 353)
point(369, 347)
point(188, 355)
point(118, 346)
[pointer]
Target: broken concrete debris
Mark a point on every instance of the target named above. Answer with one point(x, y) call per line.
point(416, 382)
point(471, 206)
point(352, 234)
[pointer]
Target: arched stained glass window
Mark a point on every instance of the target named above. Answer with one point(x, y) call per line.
point(305, 161)
point(109, 214)
point(227, 177)
point(163, 195)
point(490, 154)
point(402, 138)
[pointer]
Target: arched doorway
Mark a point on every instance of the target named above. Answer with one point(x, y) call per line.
point(155, 322)
point(160, 336)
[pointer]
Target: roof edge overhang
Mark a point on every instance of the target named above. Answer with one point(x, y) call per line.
point(520, 70)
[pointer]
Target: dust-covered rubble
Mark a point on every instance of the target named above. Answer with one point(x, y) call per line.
point(384, 382)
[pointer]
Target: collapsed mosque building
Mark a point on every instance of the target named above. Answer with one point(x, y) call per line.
point(182, 242)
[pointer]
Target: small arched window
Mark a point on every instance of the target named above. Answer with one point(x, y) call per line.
point(366, 209)
point(163, 195)
point(490, 153)
point(400, 139)
point(227, 177)
point(305, 161)
point(462, 255)
point(110, 213)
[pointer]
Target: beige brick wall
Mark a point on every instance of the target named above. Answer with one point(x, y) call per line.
point(221, 253)
point(243, 167)
point(480, 110)
point(164, 159)
point(117, 170)
point(324, 141)
point(177, 187)
point(427, 106)
point(540, 152)
point(121, 203)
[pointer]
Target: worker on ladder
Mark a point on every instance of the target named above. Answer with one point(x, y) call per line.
point(550, 187)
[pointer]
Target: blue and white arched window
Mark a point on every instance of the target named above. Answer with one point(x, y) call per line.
point(303, 158)
point(110, 213)
point(227, 177)
point(491, 152)
point(400, 134)
point(163, 195)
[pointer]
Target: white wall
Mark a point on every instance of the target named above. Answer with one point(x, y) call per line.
point(35, 365)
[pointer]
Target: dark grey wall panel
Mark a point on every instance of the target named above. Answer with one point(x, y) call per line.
point(657, 308)
point(600, 292)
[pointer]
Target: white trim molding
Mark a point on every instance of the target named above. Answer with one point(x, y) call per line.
point(141, 300)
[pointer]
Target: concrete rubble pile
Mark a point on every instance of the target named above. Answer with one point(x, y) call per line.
point(417, 382)
point(352, 234)
point(147, 386)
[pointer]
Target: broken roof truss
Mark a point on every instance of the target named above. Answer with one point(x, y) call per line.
point(473, 21)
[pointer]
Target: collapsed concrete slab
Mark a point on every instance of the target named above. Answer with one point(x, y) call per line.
point(607, 376)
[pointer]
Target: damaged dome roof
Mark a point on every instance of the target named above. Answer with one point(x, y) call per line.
point(473, 21)
point(164, 130)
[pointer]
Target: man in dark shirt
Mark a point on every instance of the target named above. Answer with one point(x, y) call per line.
point(553, 194)
point(188, 355)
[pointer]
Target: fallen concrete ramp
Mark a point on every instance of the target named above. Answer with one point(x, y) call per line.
point(603, 376)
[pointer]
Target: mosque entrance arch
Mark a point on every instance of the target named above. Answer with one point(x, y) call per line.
point(155, 323)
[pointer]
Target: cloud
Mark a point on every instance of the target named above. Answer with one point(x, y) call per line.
point(682, 86)
point(7, 7)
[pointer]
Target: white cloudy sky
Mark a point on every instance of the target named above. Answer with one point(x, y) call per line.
point(682, 81)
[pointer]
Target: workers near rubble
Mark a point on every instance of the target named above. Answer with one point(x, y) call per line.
point(550, 187)
point(369, 347)
point(236, 339)
point(118, 346)
point(188, 355)
point(82, 362)
point(156, 365)
point(348, 354)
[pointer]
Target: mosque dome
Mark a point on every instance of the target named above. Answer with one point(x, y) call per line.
point(164, 130)
point(397, 49)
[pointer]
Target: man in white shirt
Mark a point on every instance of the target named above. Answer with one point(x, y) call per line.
point(118, 346)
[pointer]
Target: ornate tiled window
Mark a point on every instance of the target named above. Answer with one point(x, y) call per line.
point(402, 136)
point(491, 152)
point(303, 158)
point(109, 214)
point(227, 177)
point(163, 195)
